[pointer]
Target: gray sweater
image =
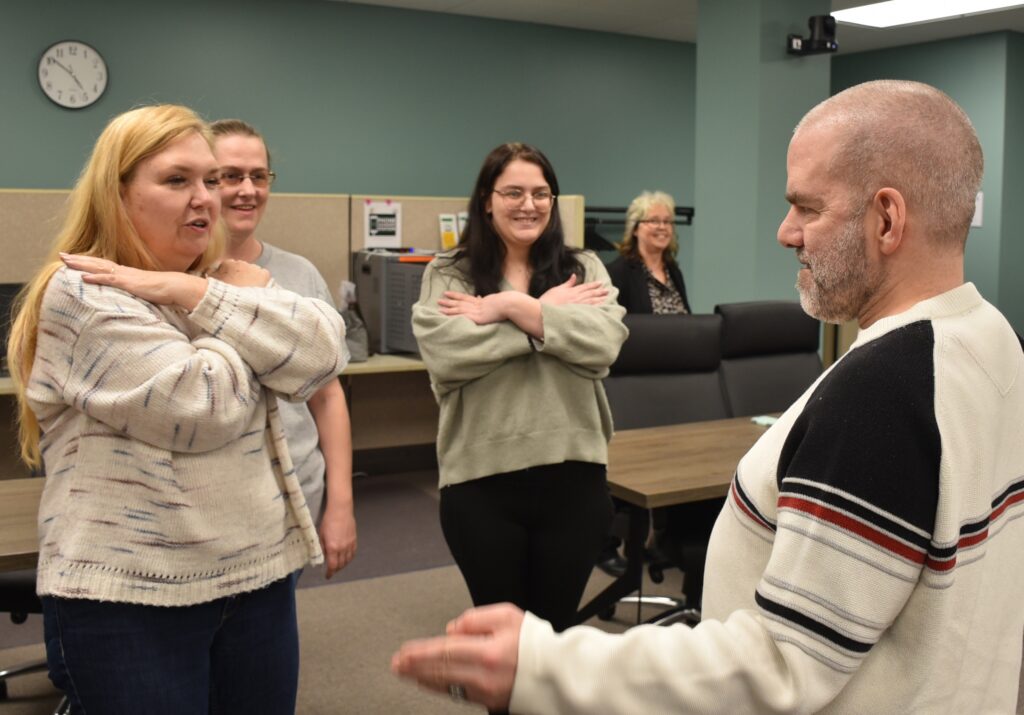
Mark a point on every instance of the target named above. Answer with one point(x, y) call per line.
point(168, 477)
point(506, 404)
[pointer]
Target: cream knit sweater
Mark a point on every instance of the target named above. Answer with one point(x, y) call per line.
point(168, 477)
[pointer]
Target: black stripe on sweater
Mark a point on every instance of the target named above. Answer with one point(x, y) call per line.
point(806, 622)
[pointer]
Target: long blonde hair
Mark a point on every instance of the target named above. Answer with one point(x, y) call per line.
point(98, 225)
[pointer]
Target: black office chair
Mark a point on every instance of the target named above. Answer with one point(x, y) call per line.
point(769, 355)
point(667, 373)
point(18, 597)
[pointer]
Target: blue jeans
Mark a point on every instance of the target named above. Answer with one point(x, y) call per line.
point(238, 654)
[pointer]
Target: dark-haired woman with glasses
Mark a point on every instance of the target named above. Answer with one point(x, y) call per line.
point(646, 274)
point(517, 329)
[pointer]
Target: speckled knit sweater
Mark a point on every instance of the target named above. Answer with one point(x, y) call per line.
point(168, 477)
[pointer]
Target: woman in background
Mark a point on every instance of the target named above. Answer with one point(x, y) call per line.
point(171, 522)
point(647, 274)
point(517, 329)
point(649, 281)
point(319, 431)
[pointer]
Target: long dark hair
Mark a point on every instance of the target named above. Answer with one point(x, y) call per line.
point(551, 261)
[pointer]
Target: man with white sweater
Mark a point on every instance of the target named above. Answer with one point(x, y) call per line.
point(868, 556)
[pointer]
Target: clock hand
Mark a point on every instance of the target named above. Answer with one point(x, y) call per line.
point(70, 73)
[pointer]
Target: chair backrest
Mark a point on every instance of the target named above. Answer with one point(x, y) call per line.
point(769, 355)
point(667, 372)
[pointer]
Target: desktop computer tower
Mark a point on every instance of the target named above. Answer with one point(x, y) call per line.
point(387, 285)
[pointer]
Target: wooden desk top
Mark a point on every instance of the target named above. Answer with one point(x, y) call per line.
point(6, 386)
point(661, 466)
point(377, 364)
point(19, 538)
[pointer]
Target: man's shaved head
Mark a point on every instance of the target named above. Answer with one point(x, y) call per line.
point(910, 137)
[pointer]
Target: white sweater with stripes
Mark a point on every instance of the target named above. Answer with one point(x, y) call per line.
point(870, 557)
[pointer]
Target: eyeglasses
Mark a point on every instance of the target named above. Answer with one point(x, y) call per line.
point(664, 222)
point(514, 198)
point(259, 179)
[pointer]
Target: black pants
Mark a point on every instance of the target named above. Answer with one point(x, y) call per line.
point(529, 536)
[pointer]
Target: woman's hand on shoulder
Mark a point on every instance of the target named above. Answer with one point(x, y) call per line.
point(240, 273)
point(158, 287)
point(568, 293)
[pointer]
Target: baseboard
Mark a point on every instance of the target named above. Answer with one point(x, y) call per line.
point(389, 460)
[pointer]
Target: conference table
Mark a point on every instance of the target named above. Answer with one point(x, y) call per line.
point(662, 466)
point(19, 538)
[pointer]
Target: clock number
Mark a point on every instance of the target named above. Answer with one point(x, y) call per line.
point(44, 72)
point(73, 51)
point(59, 52)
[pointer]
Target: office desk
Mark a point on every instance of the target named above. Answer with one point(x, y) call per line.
point(19, 538)
point(377, 364)
point(662, 466)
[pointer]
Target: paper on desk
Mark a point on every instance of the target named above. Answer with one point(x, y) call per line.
point(764, 420)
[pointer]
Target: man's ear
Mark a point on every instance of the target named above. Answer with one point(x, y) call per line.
point(887, 217)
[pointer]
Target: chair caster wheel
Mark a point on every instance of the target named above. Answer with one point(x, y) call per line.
point(656, 574)
point(607, 614)
point(3, 689)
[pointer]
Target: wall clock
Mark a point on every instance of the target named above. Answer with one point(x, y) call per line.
point(72, 74)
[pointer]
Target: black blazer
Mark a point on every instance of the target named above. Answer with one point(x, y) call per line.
point(630, 278)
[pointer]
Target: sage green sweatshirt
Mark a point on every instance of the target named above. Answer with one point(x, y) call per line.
point(508, 402)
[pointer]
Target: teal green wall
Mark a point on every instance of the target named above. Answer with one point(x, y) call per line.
point(750, 95)
point(974, 72)
point(361, 99)
point(1011, 265)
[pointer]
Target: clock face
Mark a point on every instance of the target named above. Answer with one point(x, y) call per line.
point(72, 74)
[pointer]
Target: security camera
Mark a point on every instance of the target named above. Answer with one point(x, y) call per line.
point(822, 38)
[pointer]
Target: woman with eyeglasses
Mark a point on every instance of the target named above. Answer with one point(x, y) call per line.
point(649, 281)
point(517, 329)
point(646, 274)
point(171, 523)
point(319, 431)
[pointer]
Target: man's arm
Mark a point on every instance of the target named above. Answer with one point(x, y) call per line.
point(338, 527)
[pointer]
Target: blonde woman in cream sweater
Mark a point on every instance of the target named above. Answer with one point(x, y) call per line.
point(148, 376)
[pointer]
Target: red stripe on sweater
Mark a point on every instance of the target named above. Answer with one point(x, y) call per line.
point(847, 523)
point(743, 507)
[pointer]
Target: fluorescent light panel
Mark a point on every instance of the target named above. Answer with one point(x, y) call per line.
point(909, 12)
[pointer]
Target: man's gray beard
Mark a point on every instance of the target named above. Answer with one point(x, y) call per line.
point(843, 282)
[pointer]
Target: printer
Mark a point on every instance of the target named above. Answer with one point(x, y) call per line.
point(387, 285)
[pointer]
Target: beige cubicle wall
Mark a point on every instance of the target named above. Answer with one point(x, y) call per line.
point(420, 226)
point(314, 226)
point(29, 220)
point(391, 406)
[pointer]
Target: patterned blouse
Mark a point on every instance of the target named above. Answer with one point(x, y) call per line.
point(665, 298)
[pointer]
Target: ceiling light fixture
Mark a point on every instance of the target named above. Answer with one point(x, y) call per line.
point(910, 12)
